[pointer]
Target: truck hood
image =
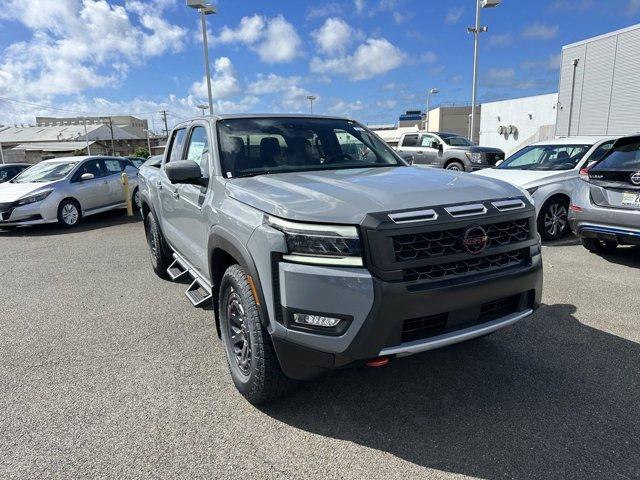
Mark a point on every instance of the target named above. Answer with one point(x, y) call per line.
point(10, 192)
point(523, 178)
point(346, 196)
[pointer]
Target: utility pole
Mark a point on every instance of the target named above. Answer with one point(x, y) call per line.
point(1, 155)
point(113, 145)
point(166, 127)
point(148, 142)
point(86, 138)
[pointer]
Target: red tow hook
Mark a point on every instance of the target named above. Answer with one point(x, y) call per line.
point(378, 362)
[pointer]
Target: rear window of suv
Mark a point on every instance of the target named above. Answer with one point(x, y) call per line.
point(621, 159)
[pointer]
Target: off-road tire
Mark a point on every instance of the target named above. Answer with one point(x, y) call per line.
point(160, 261)
point(262, 379)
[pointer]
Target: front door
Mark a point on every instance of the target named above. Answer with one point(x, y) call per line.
point(92, 194)
point(431, 156)
point(192, 221)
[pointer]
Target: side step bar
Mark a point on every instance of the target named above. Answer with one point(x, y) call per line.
point(199, 292)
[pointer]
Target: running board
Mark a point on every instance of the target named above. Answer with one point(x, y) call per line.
point(198, 294)
point(176, 270)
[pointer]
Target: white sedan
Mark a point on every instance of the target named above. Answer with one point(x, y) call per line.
point(548, 171)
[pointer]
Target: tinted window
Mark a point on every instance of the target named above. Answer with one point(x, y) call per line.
point(274, 145)
point(177, 143)
point(90, 166)
point(457, 141)
point(546, 157)
point(112, 166)
point(410, 141)
point(600, 151)
point(198, 149)
point(623, 159)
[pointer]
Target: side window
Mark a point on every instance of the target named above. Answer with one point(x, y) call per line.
point(410, 141)
point(427, 140)
point(177, 142)
point(600, 151)
point(90, 166)
point(5, 174)
point(112, 166)
point(198, 149)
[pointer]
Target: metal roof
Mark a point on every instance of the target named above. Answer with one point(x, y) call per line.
point(58, 133)
point(53, 147)
point(605, 35)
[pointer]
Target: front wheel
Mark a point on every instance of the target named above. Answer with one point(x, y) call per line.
point(595, 245)
point(253, 364)
point(455, 167)
point(159, 259)
point(135, 200)
point(553, 220)
point(69, 213)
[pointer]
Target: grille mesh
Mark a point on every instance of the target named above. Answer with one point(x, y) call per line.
point(449, 242)
point(463, 267)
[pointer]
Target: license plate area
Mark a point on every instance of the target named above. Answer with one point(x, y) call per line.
point(631, 199)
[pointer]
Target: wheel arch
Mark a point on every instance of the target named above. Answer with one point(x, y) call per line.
point(224, 250)
point(451, 160)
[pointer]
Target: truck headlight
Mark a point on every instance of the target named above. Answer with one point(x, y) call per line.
point(320, 244)
point(474, 157)
point(38, 197)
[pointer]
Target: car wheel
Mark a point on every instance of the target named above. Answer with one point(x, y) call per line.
point(253, 363)
point(595, 245)
point(552, 221)
point(135, 200)
point(69, 213)
point(159, 259)
point(455, 166)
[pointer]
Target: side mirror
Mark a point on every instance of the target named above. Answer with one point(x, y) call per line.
point(409, 159)
point(185, 172)
point(498, 163)
point(436, 144)
point(87, 176)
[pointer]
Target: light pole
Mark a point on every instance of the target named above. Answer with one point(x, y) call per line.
point(202, 107)
point(433, 91)
point(1, 155)
point(148, 142)
point(477, 30)
point(86, 138)
point(311, 98)
point(205, 9)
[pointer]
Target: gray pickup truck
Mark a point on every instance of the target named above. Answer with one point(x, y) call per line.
point(446, 150)
point(319, 248)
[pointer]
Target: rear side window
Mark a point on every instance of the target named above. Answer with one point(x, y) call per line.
point(177, 144)
point(410, 141)
point(622, 159)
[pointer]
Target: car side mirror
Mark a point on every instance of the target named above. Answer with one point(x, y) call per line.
point(185, 172)
point(498, 163)
point(436, 144)
point(409, 159)
point(87, 176)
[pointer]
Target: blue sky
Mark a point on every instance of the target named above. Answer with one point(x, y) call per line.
point(370, 59)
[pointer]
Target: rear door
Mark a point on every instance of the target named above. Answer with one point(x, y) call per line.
point(408, 146)
point(615, 180)
point(113, 171)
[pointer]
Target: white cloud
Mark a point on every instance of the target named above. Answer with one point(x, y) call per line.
point(333, 37)
point(501, 74)
point(428, 57)
point(501, 40)
point(541, 31)
point(80, 45)
point(325, 10)
point(389, 86)
point(344, 108)
point(551, 63)
point(453, 15)
point(399, 18)
point(376, 56)
point(274, 39)
point(295, 98)
point(272, 83)
point(223, 82)
point(387, 104)
point(360, 6)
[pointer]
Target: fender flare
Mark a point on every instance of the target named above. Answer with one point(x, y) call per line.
point(222, 239)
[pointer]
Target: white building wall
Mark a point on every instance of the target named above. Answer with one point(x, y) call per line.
point(531, 116)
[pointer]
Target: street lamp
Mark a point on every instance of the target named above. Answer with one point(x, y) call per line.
point(433, 91)
point(477, 30)
point(205, 9)
point(311, 98)
point(202, 107)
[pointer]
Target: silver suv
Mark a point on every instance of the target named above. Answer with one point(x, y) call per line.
point(605, 211)
point(320, 248)
point(446, 150)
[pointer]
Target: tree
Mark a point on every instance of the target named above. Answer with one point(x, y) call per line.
point(141, 152)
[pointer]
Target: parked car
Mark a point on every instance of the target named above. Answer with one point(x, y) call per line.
point(549, 171)
point(10, 170)
point(605, 210)
point(317, 258)
point(154, 161)
point(65, 190)
point(137, 161)
point(446, 150)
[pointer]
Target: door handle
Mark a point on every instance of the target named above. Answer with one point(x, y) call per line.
point(159, 185)
point(420, 151)
point(176, 194)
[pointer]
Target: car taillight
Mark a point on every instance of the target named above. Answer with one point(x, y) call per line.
point(584, 174)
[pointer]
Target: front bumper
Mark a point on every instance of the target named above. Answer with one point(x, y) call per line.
point(380, 312)
point(31, 214)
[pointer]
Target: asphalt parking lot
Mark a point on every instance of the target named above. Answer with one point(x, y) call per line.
point(107, 371)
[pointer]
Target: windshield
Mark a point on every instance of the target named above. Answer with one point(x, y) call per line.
point(457, 141)
point(45, 172)
point(253, 146)
point(546, 157)
point(622, 159)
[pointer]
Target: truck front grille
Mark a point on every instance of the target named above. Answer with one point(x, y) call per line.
point(449, 242)
point(493, 158)
point(443, 271)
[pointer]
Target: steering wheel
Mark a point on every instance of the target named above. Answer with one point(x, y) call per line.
point(336, 156)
